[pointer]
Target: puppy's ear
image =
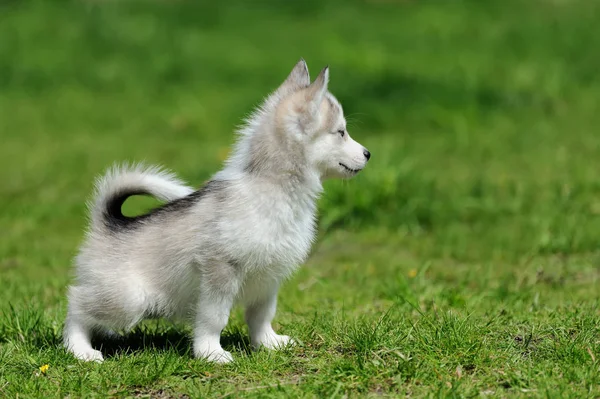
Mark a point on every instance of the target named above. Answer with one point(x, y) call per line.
point(311, 103)
point(316, 91)
point(297, 79)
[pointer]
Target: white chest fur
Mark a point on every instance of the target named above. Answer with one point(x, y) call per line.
point(267, 227)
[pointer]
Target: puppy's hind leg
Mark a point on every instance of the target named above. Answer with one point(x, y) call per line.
point(79, 326)
point(77, 337)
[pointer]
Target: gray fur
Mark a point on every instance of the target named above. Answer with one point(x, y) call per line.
point(117, 222)
point(233, 241)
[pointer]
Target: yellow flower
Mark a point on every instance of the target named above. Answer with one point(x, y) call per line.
point(412, 273)
point(44, 368)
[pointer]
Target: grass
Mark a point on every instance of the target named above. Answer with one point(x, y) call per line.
point(463, 262)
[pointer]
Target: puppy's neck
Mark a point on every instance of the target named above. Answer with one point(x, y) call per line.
point(268, 157)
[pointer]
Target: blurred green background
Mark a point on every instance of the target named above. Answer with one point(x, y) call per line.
point(482, 118)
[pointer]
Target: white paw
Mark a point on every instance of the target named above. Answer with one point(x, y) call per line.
point(89, 355)
point(274, 341)
point(214, 355)
point(221, 357)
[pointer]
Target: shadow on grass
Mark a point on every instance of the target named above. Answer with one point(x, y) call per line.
point(141, 339)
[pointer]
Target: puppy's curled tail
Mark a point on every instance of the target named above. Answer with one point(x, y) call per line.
point(122, 181)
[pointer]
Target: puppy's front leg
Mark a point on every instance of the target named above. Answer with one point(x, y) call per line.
point(214, 305)
point(259, 316)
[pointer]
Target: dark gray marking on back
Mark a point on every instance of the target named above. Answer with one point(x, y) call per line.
point(116, 221)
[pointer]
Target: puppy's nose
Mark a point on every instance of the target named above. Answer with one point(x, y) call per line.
point(367, 154)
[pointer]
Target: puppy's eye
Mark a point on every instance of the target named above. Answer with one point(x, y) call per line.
point(341, 132)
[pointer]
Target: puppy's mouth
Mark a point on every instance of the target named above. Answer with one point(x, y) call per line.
point(350, 170)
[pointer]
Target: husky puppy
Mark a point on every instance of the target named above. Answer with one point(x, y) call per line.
point(234, 240)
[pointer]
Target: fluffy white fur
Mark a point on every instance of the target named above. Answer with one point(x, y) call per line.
point(233, 241)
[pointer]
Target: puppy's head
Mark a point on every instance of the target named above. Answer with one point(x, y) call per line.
point(312, 118)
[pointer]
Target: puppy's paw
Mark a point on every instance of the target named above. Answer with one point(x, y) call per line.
point(218, 355)
point(89, 355)
point(221, 357)
point(274, 341)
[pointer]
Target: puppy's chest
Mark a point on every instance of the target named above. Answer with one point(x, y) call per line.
point(275, 236)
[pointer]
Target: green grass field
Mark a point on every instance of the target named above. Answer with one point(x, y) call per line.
point(464, 261)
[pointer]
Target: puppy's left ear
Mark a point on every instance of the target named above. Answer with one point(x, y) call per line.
point(297, 79)
point(316, 91)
